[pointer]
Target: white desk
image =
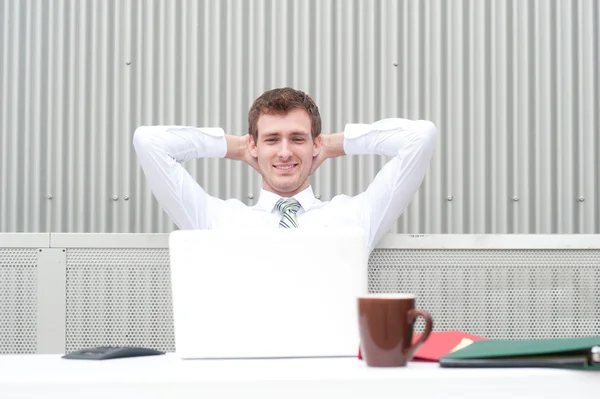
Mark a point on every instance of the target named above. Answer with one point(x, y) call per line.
point(49, 376)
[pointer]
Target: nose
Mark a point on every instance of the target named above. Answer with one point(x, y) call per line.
point(284, 151)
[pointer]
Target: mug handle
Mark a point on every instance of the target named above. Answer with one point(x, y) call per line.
point(412, 315)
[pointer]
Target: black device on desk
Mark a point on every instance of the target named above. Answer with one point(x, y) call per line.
point(111, 352)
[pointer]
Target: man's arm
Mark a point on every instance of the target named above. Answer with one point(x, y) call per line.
point(161, 150)
point(411, 143)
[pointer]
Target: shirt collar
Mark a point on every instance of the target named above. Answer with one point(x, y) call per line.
point(267, 199)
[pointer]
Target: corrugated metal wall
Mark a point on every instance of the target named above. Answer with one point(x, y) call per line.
point(513, 87)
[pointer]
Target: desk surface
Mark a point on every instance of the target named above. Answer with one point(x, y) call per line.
point(167, 376)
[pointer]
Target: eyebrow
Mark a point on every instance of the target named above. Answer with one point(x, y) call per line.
point(297, 133)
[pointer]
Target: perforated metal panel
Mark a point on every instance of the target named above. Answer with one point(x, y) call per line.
point(123, 297)
point(119, 297)
point(512, 294)
point(18, 290)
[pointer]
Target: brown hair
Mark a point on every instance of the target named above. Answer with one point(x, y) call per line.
point(281, 101)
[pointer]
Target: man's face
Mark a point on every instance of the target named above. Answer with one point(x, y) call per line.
point(284, 151)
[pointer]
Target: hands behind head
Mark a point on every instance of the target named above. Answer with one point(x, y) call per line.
point(239, 150)
point(318, 160)
point(331, 146)
point(247, 156)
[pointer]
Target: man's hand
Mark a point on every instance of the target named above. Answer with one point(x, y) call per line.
point(237, 149)
point(318, 160)
point(332, 146)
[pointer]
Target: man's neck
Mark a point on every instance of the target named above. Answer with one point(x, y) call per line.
point(288, 194)
point(268, 198)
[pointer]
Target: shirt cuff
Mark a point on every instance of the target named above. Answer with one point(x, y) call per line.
point(209, 142)
point(356, 139)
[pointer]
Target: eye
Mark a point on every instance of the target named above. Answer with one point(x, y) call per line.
point(271, 140)
point(298, 140)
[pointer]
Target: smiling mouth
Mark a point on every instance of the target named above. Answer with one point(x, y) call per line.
point(285, 167)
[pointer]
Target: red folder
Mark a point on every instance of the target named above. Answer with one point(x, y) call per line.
point(439, 344)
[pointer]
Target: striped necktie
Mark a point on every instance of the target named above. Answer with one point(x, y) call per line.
point(288, 208)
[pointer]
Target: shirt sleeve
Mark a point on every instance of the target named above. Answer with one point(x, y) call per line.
point(161, 150)
point(412, 144)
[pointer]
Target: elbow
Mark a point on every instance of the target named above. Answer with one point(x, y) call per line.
point(427, 133)
point(139, 135)
point(142, 137)
point(425, 136)
point(428, 130)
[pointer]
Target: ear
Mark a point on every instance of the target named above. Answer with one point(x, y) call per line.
point(317, 146)
point(252, 146)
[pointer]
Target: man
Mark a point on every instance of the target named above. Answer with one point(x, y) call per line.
point(284, 144)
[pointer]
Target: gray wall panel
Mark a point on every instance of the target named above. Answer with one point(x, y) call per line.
point(511, 85)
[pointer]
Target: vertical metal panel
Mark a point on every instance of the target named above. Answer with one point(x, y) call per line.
point(511, 85)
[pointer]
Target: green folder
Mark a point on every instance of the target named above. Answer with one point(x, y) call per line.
point(581, 353)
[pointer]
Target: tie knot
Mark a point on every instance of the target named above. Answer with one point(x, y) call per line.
point(288, 205)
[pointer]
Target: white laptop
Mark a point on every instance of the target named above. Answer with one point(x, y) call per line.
point(267, 293)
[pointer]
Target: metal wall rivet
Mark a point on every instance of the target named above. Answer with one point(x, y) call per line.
point(128, 62)
point(581, 199)
point(126, 198)
point(515, 198)
point(49, 196)
point(318, 196)
point(395, 63)
point(250, 195)
point(114, 197)
point(449, 198)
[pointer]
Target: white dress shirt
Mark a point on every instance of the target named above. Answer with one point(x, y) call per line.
point(162, 149)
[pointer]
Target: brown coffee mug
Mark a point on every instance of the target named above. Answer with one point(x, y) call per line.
point(386, 328)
